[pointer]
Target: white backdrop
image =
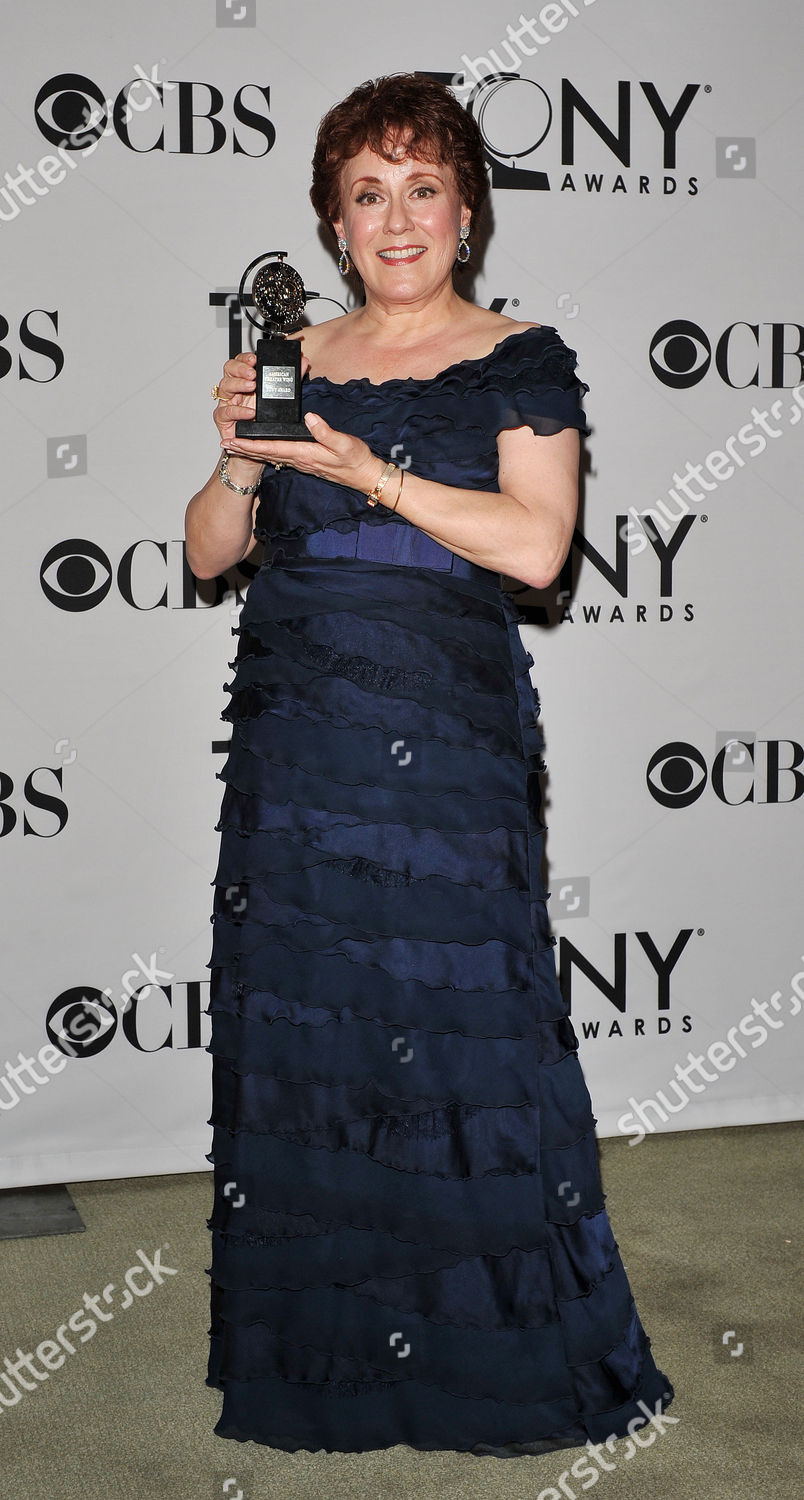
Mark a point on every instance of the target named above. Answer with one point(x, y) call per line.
point(652, 214)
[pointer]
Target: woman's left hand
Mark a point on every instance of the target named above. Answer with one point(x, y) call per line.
point(336, 456)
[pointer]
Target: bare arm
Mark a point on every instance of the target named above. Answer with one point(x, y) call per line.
point(218, 523)
point(525, 531)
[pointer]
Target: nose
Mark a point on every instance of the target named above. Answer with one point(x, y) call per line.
point(397, 215)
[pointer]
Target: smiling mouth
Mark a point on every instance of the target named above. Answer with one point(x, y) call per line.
point(401, 254)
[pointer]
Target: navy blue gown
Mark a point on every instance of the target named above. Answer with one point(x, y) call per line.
point(409, 1237)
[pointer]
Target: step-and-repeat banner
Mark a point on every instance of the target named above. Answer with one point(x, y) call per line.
point(647, 202)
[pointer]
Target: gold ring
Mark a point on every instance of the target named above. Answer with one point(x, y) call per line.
point(216, 394)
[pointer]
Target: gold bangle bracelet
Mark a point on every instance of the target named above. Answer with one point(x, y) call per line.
point(399, 491)
point(373, 496)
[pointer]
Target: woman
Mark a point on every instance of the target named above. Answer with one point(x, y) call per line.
point(409, 1236)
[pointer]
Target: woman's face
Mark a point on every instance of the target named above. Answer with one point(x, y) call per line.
point(401, 221)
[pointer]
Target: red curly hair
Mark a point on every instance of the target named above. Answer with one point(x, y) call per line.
point(400, 106)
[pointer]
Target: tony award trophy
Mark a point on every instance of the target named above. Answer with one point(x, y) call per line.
point(277, 292)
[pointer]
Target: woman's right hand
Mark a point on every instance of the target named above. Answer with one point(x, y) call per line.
point(238, 401)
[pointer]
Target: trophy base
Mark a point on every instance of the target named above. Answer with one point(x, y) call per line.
point(287, 432)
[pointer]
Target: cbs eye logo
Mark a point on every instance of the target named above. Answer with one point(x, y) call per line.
point(681, 775)
point(680, 354)
point(87, 1022)
point(71, 111)
point(75, 575)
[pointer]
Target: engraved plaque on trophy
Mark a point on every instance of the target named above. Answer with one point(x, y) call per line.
point(277, 292)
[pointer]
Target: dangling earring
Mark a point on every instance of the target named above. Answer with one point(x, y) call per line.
point(344, 264)
point(462, 245)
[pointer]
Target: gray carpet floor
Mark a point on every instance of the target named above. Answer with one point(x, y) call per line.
point(708, 1226)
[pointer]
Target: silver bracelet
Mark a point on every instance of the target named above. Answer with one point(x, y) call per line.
point(240, 489)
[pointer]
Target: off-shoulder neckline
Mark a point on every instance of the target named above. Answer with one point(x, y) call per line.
point(408, 380)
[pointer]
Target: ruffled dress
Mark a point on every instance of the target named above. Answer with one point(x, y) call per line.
point(409, 1237)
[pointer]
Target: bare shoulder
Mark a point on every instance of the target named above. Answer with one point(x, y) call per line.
point(318, 336)
point(511, 326)
point(484, 329)
point(497, 325)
